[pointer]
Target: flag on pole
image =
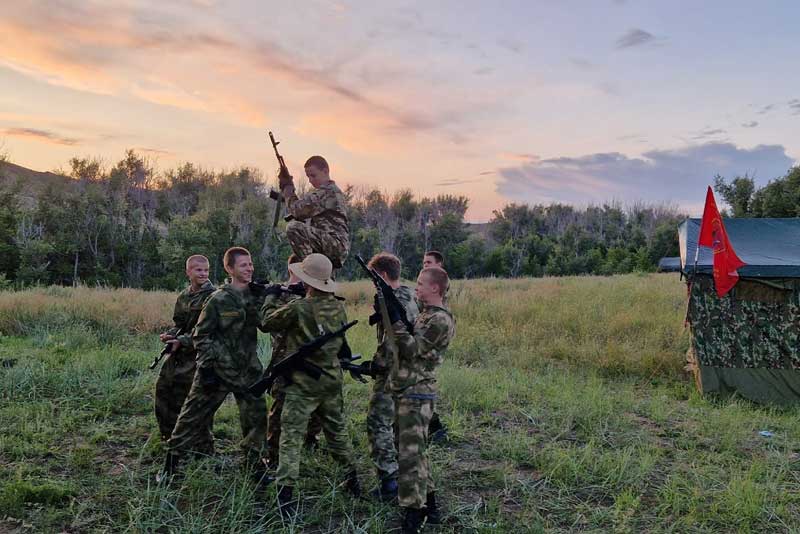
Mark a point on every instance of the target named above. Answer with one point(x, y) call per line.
point(712, 234)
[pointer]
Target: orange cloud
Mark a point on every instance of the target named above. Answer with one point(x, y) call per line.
point(38, 55)
point(154, 151)
point(41, 135)
point(204, 72)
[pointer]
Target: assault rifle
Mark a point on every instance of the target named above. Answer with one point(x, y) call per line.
point(277, 196)
point(387, 293)
point(168, 349)
point(297, 361)
point(357, 371)
point(262, 288)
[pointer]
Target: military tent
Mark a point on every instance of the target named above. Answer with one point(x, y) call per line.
point(747, 342)
point(669, 265)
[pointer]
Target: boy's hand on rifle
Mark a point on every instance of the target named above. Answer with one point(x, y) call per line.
point(284, 178)
point(394, 314)
point(165, 337)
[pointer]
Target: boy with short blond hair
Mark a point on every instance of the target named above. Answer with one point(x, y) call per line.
point(414, 387)
point(176, 374)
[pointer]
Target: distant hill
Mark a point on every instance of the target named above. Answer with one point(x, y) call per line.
point(34, 182)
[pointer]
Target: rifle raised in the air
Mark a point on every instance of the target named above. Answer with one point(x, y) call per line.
point(277, 196)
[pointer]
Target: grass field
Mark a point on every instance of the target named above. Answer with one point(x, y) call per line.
point(565, 401)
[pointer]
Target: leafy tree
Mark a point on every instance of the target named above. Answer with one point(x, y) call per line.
point(738, 194)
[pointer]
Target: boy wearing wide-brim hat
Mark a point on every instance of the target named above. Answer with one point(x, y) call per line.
point(303, 320)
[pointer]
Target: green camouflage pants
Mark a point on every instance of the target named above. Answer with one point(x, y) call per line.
point(380, 429)
point(274, 426)
point(172, 387)
point(415, 481)
point(297, 409)
point(305, 240)
point(199, 409)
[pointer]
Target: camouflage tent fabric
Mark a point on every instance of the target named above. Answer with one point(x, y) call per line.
point(748, 341)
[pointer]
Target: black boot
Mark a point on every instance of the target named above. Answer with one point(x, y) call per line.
point(412, 520)
point(387, 491)
point(170, 468)
point(437, 432)
point(311, 444)
point(261, 476)
point(352, 485)
point(287, 506)
point(432, 510)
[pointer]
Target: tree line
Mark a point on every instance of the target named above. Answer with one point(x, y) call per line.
point(132, 225)
point(779, 198)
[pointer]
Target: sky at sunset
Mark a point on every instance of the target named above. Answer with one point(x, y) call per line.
point(515, 101)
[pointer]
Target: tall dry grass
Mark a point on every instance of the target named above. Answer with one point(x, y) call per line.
point(122, 311)
point(629, 324)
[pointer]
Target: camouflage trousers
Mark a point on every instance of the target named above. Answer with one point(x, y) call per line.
point(415, 480)
point(380, 429)
point(305, 239)
point(297, 409)
point(172, 387)
point(274, 425)
point(198, 412)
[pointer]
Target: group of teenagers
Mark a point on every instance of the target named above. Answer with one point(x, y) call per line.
point(214, 351)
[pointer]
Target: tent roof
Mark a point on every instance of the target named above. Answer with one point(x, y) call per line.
point(669, 264)
point(769, 247)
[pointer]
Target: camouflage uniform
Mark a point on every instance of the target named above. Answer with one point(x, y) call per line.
point(320, 223)
point(176, 374)
point(303, 320)
point(226, 340)
point(279, 397)
point(381, 413)
point(414, 388)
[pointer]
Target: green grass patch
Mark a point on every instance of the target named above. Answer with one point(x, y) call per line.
point(564, 399)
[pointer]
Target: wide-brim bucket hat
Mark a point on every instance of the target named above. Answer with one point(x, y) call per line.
point(315, 270)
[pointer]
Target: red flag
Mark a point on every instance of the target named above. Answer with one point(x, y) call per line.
point(712, 234)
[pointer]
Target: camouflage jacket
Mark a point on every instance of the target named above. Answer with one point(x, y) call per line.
point(279, 336)
point(187, 310)
point(302, 320)
point(325, 208)
point(421, 353)
point(226, 337)
point(406, 297)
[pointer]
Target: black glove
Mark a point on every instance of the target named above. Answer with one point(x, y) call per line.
point(298, 289)
point(394, 314)
point(208, 378)
point(262, 290)
point(358, 371)
point(366, 368)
